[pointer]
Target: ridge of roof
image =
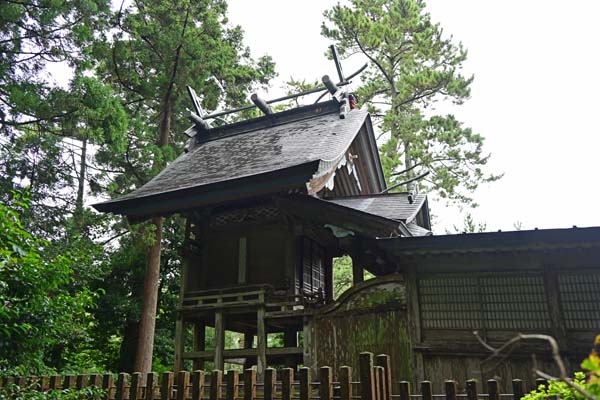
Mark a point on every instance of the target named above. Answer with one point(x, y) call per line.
point(268, 121)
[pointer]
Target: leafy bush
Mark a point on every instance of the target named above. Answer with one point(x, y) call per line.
point(14, 392)
point(40, 312)
point(588, 382)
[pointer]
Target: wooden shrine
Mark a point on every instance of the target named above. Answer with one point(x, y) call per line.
point(271, 201)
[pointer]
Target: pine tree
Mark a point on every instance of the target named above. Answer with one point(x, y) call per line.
point(412, 66)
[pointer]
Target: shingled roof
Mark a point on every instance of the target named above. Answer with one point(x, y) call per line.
point(312, 136)
point(390, 205)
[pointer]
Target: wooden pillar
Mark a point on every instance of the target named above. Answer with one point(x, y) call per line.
point(199, 343)
point(328, 264)
point(554, 309)
point(248, 341)
point(219, 340)
point(357, 271)
point(261, 340)
point(290, 339)
point(309, 344)
point(414, 323)
point(179, 343)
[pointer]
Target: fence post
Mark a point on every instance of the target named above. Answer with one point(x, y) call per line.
point(270, 378)
point(404, 390)
point(216, 383)
point(493, 393)
point(540, 381)
point(383, 360)
point(107, 385)
point(96, 381)
point(518, 391)
point(33, 383)
point(82, 381)
point(345, 383)
point(250, 384)
point(287, 378)
point(326, 386)
point(426, 390)
point(150, 386)
point(232, 382)
point(379, 384)
point(44, 383)
point(121, 385)
point(367, 384)
point(197, 385)
point(69, 381)
point(134, 388)
point(21, 381)
point(450, 390)
point(166, 386)
point(55, 382)
point(305, 383)
point(472, 389)
point(183, 381)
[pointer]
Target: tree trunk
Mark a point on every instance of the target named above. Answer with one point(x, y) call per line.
point(143, 357)
point(78, 215)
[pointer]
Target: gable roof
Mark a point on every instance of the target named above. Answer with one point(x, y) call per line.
point(312, 136)
point(389, 205)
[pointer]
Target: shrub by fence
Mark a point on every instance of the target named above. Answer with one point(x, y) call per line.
point(375, 383)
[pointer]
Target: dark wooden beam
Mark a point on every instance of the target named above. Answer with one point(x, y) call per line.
point(219, 341)
point(261, 104)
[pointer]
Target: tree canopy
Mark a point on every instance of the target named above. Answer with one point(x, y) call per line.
point(413, 65)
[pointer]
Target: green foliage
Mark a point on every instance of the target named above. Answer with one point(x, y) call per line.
point(14, 392)
point(412, 66)
point(342, 275)
point(39, 313)
point(588, 382)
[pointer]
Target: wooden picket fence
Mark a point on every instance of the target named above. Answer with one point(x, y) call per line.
point(375, 384)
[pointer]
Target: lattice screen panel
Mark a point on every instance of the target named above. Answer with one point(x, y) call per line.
point(580, 299)
point(483, 301)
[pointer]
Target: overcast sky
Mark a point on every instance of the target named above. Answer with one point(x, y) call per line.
point(534, 99)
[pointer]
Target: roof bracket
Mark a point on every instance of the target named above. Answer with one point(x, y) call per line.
point(261, 104)
point(340, 95)
point(198, 121)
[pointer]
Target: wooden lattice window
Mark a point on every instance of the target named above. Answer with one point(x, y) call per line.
point(312, 269)
point(499, 301)
point(580, 299)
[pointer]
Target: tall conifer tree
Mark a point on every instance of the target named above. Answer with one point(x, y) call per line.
point(412, 66)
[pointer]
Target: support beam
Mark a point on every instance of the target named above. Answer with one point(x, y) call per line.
point(219, 340)
point(328, 264)
point(261, 341)
point(179, 343)
point(290, 340)
point(199, 343)
point(248, 341)
point(358, 274)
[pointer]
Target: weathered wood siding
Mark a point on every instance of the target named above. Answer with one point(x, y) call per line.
point(369, 317)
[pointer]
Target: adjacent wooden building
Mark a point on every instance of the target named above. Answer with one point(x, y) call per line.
point(271, 201)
